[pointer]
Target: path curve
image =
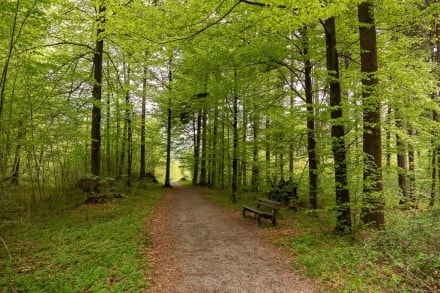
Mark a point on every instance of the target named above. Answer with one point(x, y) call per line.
point(200, 247)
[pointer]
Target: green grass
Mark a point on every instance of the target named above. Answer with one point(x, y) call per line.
point(90, 248)
point(404, 257)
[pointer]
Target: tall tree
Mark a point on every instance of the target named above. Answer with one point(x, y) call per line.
point(97, 91)
point(373, 209)
point(235, 138)
point(167, 182)
point(311, 141)
point(143, 122)
point(337, 132)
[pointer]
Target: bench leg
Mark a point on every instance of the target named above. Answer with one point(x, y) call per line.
point(274, 221)
point(258, 220)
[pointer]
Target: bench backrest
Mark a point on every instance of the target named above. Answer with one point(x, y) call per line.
point(267, 203)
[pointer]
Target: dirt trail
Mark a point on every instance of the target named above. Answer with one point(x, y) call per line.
point(199, 247)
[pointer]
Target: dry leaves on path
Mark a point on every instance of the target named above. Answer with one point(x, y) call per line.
point(200, 247)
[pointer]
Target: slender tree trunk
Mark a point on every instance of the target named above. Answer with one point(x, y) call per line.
point(223, 154)
point(143, 124)
point(436, 115)
point(117, 143)
point(434, 172)
point(281, 165)
point(11, 46)
point(203, 161)
point(388, 140)
point(244, 149)
point(291, 155)
point(401, 163)
point(108, 138)
point(268, 165)
point(197, 138)
point(411, 170)
point(338, 141)
point(214, 148)
point(374, 203)
point(97, 94)
point(16, 167)
point(311, 142)
point(129, 134)
point(167, 182)
point(255, 152)
point(235, 141)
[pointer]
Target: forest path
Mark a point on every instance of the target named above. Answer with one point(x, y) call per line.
point(200, 247)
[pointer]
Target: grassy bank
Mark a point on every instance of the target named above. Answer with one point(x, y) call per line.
point(78, 248)
point(404, 257)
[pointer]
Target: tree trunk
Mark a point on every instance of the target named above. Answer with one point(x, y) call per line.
point(167, 182)
point(436, 115)
point(197, 138)
point(411, 170)
point(204, 149)
point(401, 163)
point(214, 165)
point(129, 138)
point(108, 137)
point(16, 167)
point(235, 141)
point(244, 149)
point(343, 224)
point(311, 142)
point(388, 140)
point(255, 152)
point(97, 94)
point(374, 202)
point(291, 155)
point(268, 165)
point(143, 124)
point(4, 76)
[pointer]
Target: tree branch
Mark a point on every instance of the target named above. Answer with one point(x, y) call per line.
point(262, 4)
point(204, 28)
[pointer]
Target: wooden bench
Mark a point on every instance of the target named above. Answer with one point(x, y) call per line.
point(265, 208)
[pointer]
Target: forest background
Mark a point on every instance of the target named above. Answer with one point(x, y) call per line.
point(330, 106)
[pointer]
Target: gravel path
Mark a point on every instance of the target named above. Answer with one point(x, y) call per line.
point(200, 247)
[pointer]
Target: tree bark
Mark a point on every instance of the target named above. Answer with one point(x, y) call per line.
point(214, 165)
point(343, 224)
point(291, 155)
point(16, 167)
point(311, 142)
point(268, 152)
point(204, 156)
point(244, 149)
point(255, 180)
point(197, 138)
point(97, 94)
point(373, 202)
point(167, 182)
point(401, 163)
point(129, 133)
point(436, 115)
point(411, 170)
point(143, 124)
point(235, 141)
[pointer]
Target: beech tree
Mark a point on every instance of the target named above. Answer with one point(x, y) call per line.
point(267, 92)
point(373, 211)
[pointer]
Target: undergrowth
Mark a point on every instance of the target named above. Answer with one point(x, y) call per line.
point(403, 257)
point(87, 248)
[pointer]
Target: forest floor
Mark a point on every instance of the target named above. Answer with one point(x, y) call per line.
point(199, 246)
